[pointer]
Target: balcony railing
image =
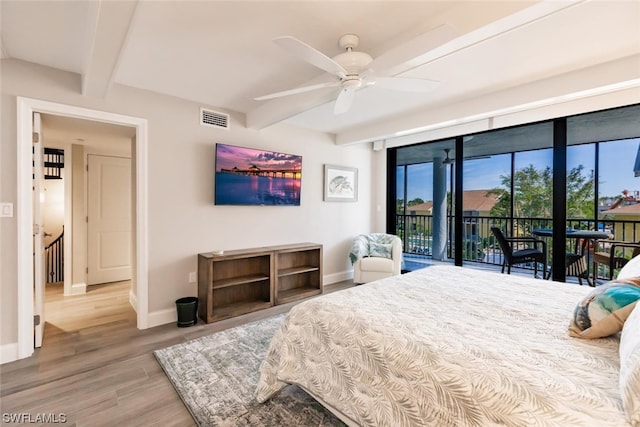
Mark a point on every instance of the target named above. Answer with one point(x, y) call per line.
point(480, 245)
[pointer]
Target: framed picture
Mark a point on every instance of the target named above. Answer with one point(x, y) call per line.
point(340, 184)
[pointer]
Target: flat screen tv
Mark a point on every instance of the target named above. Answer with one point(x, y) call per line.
point(246, 176)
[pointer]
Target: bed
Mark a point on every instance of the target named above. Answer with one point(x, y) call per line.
point(448, 346)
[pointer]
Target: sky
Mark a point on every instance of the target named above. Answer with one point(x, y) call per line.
point(230, 156)
point(617, 160)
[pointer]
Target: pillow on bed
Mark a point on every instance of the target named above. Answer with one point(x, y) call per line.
point(630, 269)
point(603, 311)
point(381, 250)
point(630, 367)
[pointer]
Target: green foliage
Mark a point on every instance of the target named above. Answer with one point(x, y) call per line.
point(503, 207)
point(533, 192)
point(580, 193)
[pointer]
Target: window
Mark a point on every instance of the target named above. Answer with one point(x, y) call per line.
point(514, 168)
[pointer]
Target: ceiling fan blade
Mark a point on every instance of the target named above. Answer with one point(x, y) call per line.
point(344, 101)
point(297, 90)
point(406, 84)
point(310, 55)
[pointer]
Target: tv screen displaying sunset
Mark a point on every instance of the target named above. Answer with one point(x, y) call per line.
point(248, 176)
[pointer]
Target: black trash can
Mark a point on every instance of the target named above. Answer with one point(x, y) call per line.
point(187, 311)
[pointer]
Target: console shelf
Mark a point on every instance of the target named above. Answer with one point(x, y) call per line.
point(241, 307)
point(296, 270)
point(241, 281)
point(297, 293)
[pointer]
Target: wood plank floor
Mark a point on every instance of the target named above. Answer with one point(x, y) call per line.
point(97, 368)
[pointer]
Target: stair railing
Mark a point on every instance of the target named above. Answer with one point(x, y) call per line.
point(54, 255)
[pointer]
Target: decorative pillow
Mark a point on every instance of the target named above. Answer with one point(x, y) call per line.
point(604, 311)
point(630, 269)
point(630, 367)
point(380, 250)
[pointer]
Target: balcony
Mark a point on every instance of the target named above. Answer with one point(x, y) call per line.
point(480, 248)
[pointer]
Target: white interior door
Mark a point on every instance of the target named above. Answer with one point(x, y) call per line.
point(109, 246)
point(38, 234)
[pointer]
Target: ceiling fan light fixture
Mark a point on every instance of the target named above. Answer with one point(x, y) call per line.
point(352, 61)
point(351, 83)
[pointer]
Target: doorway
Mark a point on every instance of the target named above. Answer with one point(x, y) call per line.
point(26, 108)
point(87, 215)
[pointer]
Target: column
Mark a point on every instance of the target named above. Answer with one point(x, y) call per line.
point(439, 244)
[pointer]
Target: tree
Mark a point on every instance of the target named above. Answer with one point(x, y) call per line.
point(580, 193)
point(415, 201)
point(533, 192)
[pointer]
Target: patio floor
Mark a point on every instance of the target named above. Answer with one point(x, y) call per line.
point(415, 262)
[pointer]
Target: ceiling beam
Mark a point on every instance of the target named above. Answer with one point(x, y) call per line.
point(412, 53)
point(451, 45)
point(109, 24)
point(618, 75)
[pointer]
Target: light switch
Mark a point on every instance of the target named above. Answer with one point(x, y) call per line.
point(6, 210)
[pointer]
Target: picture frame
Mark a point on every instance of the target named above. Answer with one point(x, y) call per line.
point(340, 183)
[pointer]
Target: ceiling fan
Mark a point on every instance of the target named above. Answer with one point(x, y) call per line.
point(352, 70)
point(449, 160)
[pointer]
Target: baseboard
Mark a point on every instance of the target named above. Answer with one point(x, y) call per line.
point(162, 317)
point(170, 315)
point(8, 352)
point(337, 277)
point(133, 300)
point(78, 288)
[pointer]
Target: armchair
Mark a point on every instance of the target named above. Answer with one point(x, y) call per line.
point(375, 256)
point(611, 254)
point(512, 255)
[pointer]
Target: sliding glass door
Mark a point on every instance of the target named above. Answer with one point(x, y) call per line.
point(579, 172)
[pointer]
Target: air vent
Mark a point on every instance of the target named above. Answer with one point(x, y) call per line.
point(214, 119)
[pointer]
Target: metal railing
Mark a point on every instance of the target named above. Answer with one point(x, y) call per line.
point(480, 245)
point(54, 256)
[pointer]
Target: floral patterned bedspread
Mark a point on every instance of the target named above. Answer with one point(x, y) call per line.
point(448, 346)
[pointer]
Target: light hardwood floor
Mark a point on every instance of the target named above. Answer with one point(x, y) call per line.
point(98, 369)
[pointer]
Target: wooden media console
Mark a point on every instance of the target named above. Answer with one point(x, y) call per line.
point(245, 280)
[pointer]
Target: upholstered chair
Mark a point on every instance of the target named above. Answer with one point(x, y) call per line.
point(375, 256)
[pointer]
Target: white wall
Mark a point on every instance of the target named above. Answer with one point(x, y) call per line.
point(182, 217)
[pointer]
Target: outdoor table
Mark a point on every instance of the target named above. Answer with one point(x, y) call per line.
point(576, 263)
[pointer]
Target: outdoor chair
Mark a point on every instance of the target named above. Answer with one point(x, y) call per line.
point(605, 253)
point(519, 250)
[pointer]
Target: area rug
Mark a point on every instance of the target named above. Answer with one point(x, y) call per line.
point(216, 377)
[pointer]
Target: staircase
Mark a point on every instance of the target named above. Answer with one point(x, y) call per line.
point(54, 256)
point(53, 162)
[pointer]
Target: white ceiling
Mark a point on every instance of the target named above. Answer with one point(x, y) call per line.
point(221, 54)
point(61, 130)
